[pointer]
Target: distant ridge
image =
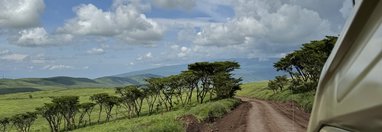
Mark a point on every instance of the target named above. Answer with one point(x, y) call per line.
point(59, 82)
point(250, 69)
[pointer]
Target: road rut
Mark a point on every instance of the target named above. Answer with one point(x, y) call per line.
point(255, 115)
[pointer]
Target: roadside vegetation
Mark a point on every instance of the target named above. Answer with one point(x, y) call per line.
point(167, 121)
point(302, 67)
point(177, 94)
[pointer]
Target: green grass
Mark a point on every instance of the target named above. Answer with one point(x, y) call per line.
point(166, 122)
point(11, 104)
point(259, 90)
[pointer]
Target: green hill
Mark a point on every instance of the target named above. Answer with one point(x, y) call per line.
point(62, 82)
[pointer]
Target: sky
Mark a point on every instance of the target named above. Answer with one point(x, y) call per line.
point(94, 38)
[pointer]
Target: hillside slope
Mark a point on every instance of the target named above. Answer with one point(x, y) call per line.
point(60, 82)
point(250, 69)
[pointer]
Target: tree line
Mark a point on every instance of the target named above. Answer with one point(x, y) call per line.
point(303, 66)
point(203, 80)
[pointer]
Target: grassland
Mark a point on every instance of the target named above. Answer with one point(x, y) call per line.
point(166, 122)
point(11, 104)
point(259, 90)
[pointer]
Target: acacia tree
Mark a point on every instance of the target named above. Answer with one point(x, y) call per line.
point(99, 99)
point(225, 85)
point(23, 122)
point(68, 106)
point(167, 92)
point(177, 85)
point(206, 72)
point(109, 104)
point(85, 109)
point(304, 65)
point(190, 82)
point(203, 70)
point(4, 122)
point(51, 113)
point(131, 97)
point(281, 82)
point(151, 92)
point(272, 86)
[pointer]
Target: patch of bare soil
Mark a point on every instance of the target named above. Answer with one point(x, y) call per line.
point(235, 121)
point(255, 115)
point(293, 112)
point(191, 123)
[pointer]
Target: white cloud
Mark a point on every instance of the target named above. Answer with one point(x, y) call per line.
point(148, 55)
point(57, 67)
point(38, 36)
point(20, 13)
point(181, 4)
point(14, 57)
point(35, 35)
point(346, 9)
point(96, 51)
point(180, 51)
point(125, 22)
point(261, 28)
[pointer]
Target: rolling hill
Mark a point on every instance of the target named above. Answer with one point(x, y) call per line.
point(250, 69)
point(37, 84)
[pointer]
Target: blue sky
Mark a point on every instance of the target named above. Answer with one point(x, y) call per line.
point(93, 38)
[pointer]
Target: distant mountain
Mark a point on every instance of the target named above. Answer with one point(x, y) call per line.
point(161, 71)
point(250, 69)
point(36, 84)
point(116, 81)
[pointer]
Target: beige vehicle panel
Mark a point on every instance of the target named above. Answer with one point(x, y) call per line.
point(349, 94)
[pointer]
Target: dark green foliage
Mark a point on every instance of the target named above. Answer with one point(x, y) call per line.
point(85, 109)
point(68, 106)
point(99, 99)
point(109, 104)
point(304, 65)
point(206, 71)
point(23, 122)
point(278, 83)
point(132, 99)
point(4, 123)
point(52, 113)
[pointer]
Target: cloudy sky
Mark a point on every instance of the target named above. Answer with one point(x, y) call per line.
point(93, 38)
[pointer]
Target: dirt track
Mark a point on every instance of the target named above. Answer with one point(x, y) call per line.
point(263, 116)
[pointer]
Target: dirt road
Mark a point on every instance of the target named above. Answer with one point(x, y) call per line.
point(263, 116)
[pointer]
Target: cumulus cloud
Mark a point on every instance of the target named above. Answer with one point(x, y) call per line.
point(261, 28)
point(96, 51)
point(38, 36)
point(20, 13)
point(125, 22)
point(181, 4)
point(35, 35)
